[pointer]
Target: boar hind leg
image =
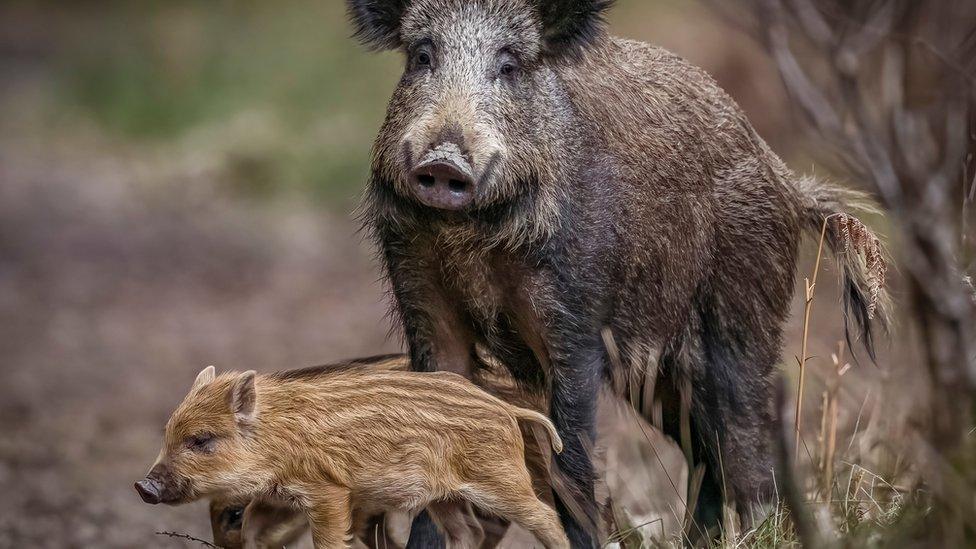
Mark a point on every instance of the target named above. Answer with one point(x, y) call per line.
point(731, 412)
point(330, 514)
point(736, 436)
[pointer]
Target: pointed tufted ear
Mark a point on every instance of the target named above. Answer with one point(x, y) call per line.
point(244, 398)
point(377, 22)
point(568, 26)
point(205, 376)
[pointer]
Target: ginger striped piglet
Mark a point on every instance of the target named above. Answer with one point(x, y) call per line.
point(345, 442)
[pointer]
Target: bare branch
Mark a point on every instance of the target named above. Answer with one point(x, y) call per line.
point(181, 535)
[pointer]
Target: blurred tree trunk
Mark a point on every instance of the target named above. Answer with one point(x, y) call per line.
point(889, 86)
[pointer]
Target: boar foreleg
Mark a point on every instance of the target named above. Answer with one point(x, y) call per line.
point(576, 378)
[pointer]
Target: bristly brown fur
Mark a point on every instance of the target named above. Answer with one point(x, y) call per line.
point(626, 191)
point(342, 443)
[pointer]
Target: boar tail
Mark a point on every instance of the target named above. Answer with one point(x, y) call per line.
point(536, 417)
point(827, 209)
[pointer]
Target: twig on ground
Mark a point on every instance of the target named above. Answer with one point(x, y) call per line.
point(181, 535)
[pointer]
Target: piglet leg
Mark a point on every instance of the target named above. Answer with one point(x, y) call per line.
point(330, 514)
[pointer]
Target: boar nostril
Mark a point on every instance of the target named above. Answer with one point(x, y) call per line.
point(444, 183)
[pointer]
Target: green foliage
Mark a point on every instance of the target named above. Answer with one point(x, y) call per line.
point(161, 73)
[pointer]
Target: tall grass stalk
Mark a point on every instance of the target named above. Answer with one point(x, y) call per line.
point(810, 286)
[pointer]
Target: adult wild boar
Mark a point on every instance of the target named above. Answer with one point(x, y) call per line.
point(537, 180)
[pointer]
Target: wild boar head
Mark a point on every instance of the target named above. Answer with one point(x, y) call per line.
point(473, 122)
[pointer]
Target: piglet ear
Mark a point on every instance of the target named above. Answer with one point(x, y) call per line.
point(243, 397)
point(377, 22)
point(205, 376)
point(568, 26)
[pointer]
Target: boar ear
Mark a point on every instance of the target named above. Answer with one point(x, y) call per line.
point(570, 25)
point(205, 376)
point(243, 397)
point(377, 22)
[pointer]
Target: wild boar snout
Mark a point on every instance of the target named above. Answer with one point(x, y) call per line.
point(150, 490)
point(443, 179)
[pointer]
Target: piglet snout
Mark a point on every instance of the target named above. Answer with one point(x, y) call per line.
point(150, 490)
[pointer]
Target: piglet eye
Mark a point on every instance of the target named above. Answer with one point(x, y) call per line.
point(202, 442)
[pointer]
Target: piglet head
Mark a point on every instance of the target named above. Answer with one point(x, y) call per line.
point(206, 445)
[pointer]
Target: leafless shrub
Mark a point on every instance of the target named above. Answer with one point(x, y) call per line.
point(889, 88)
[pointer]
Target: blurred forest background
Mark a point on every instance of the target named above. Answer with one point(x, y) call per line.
point(177, 186)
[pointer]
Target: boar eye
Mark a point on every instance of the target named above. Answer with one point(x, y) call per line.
point(202, 442)
point(422, 57)
point(507, 65)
